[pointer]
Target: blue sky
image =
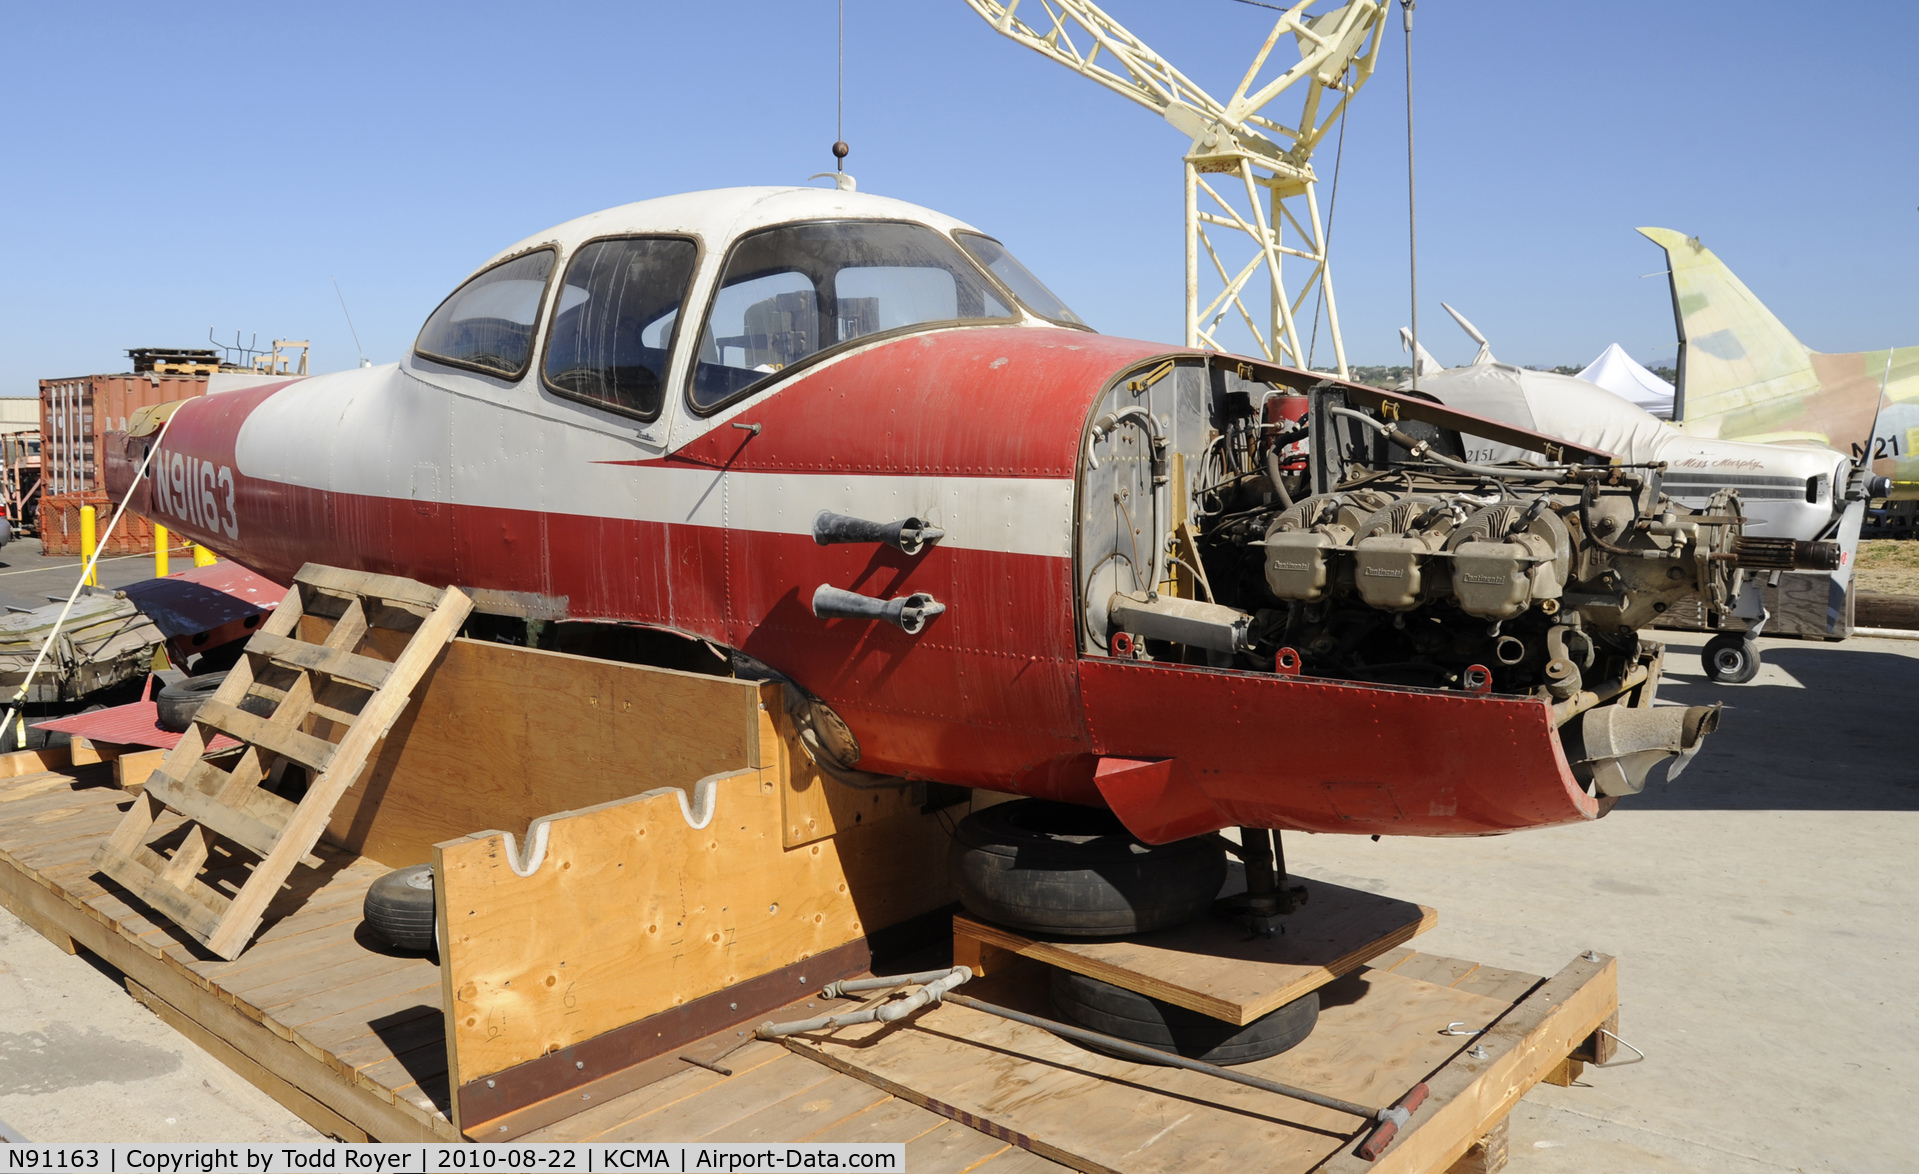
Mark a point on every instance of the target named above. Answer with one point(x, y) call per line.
point(175, 167)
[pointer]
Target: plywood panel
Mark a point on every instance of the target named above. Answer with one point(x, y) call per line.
point(631, 910)
point(498, 736)
point(1214, 967)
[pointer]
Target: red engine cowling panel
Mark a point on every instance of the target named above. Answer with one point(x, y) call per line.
point(1324, 756)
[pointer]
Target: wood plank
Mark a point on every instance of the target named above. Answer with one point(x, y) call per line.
point(363, 671)
point(1014, 1160)
point(1372, 1043)
point(340, 581)
point(33, 762)
point(1214, 967)
point(632, 911)
point(1487, 1155)
point(242, 827)
point(805, 1113)
point(1508, 986)
point(891, 1119)
point(732, 1099)
point(1435, 969)
point(599, 731)
point(291, 1098)
point(268, 734)
point(140, 874)
point(95, 930)
point(36, 922)
point(131, 771)
point(1471, 1096)
point(593, 1123)
point(952, 1149)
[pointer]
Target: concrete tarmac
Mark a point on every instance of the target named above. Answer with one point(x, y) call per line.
point(1761, 907)
point(1764, 914)
point(31, 579)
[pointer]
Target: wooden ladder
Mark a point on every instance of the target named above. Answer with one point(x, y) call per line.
point(281, 701)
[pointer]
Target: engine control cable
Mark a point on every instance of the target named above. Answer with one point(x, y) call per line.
point(1423, 450)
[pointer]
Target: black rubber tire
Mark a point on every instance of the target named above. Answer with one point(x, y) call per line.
point(1058, 869)
point(1730, 659)
point(178, 703)
point(1116, 1011)
point(399, 908)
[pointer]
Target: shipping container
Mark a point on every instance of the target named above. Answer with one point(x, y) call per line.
point(74, 415)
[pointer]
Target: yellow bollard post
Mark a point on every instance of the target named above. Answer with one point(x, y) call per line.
point(202, 557)
point(160, 539)
point(86, 543)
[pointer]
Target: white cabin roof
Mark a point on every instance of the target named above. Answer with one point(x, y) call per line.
point(720, 215)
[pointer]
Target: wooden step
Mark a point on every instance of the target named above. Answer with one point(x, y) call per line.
point(341, 666)
point(267, 733)
point(331, 680)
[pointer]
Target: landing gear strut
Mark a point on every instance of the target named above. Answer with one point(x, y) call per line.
point(1267, 897)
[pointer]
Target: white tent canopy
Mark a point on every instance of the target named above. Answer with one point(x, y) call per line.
point(1616, 371)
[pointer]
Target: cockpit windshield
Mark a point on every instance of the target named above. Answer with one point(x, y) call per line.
point(1018, 278)
point(791, 292)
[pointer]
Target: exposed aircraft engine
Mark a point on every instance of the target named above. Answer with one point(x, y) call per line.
point(1342, 534)
point(1417, 583)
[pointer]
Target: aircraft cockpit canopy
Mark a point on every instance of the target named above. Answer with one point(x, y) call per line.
point(781, 294)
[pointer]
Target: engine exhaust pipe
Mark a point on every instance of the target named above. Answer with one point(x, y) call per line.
point(908, 613)
point(911, 535)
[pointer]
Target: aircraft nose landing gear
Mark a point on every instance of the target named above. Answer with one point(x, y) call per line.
point(1267, 897)
point(1731, 658)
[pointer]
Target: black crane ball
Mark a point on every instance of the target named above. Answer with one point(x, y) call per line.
point(841, 150)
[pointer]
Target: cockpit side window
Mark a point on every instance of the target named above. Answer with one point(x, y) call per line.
point(799, 290)
point(487, 324)
point(613, 323)
point(1014, 276)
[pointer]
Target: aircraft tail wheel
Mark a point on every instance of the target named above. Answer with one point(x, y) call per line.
point(399, 908)
point(1730, 658)
point(1049, 868)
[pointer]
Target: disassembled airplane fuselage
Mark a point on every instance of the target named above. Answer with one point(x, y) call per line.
point(857, 445)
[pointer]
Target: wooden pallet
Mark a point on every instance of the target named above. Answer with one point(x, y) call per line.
point(344, 1035)
point(1380, 1031)
point(280, 699)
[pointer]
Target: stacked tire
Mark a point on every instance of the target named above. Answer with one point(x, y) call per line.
point(1060, 870)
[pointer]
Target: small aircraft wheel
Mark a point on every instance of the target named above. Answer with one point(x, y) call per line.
point(1049, 868)
point(1164, 1027)
point(399, 908)
point(178, 703)
point(1730, 659)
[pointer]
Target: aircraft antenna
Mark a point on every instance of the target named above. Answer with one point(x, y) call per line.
point(1266, 157)
point(349, 323)
point(1412, 218)
point(840, 149)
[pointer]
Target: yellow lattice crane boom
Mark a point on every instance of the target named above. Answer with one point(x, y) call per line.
point(1237, 138)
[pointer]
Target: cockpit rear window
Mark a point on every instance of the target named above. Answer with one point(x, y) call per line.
point(794, 291)
point(613, 322)
point(1018, 278)
point(488, 323)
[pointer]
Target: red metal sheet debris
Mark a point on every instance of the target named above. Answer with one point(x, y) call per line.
point(204, 598)
point(134, 724)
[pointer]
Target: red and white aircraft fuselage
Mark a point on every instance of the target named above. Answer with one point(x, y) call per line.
point(638, 417)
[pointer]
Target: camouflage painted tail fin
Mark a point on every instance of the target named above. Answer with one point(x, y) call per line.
point(1742, 373)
